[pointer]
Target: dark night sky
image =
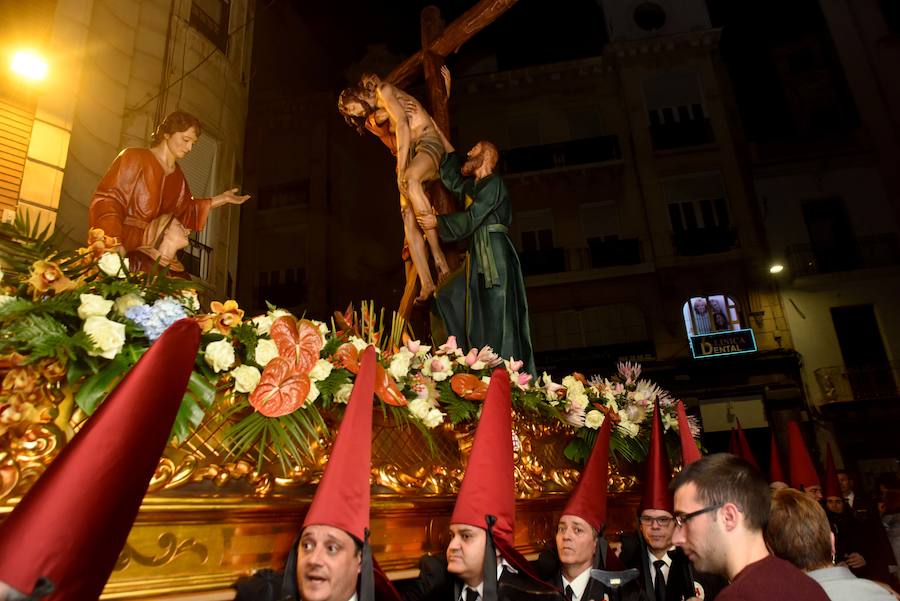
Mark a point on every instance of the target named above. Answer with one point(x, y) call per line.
point(531, 32)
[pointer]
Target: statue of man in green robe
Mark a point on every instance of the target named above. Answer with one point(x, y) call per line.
point(483, 303)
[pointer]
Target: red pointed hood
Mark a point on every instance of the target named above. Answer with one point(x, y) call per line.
point(588, 501)
point(803, 472)
point(489, 486)
point(734, 445)
point(658, 471)
point(832, 488)
point(689, 451)
point(776, 473)
point(343, 495)
point(746, 453)
point(71, 526)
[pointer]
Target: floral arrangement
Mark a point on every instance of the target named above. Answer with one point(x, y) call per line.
point(80, 318)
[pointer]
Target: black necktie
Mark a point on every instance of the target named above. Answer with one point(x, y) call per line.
point(569, 593)
point(471, 594)
point(659, 584)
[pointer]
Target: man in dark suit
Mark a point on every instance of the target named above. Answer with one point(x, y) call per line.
point(580, 544)
point(665, 572)
point(482, 564)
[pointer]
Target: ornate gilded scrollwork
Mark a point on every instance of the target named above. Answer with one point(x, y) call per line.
point(171, 547)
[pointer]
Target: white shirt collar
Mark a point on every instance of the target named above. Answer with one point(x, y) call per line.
point(501, 564)
point(665, 569)
point(850, 496)
point(579, 584)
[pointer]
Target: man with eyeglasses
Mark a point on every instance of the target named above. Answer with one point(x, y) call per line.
point(666, 573)
point(721, 510)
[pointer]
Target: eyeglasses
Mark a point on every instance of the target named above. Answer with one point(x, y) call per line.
point(683, 518)
point(662, 521)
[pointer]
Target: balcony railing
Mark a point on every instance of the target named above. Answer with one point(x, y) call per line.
point(704, 241)
point(862, 252)
point(564, 154)
point(858, 384)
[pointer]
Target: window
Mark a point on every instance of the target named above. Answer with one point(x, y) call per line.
point(289, 194)
point(538, 255)
point(605, 325)
point(210, 17)
point(675, 111)
point(698, 214)
point(198, 167)
point(708, 314)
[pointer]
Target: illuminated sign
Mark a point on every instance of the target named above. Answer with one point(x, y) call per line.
point(720, 344)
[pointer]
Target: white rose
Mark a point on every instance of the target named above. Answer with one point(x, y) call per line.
point(313, 393)
point(113, 265)
point(419, 408)
point(263, 324)
point(321, 370)
point(434, 418)
point(276, 313)
point(219, 355)
point(246, 377)
point(631, 429)
point(108, 336)
point(342, 394)
point(579, 401)
point(94, 305)
point(266, 350)
point(5, 298)
point(127, 301)
point(593, 419)
point(399, 367)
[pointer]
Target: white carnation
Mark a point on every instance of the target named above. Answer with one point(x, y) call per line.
point(630, 429)
point(433, 418)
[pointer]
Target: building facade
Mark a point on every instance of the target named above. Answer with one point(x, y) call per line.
point(115, 69)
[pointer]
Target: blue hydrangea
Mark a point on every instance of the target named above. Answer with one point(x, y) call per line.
point(154, 319)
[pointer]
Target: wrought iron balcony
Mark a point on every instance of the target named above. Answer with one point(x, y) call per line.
point(564, 154)
point(861, 252)
point(858, 384)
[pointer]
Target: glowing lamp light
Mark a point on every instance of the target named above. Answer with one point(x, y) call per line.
point(29, 65)
point(776, 268)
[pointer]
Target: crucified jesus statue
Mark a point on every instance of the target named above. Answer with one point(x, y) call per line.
point(409, 131)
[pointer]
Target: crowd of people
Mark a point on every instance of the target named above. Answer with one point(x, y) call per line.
point(719, 529)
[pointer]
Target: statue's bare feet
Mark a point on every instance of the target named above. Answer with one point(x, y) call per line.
point(425, 292)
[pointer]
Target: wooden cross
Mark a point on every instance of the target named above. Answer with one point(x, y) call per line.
point(438, 42)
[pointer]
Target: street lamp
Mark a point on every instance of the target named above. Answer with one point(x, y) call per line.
point(776, 268)
point(29, 65)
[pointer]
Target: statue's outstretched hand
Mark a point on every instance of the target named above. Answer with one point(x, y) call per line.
point(445, 75)
point(230, 197)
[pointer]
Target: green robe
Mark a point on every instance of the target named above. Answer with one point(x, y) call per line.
point(477, 313)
